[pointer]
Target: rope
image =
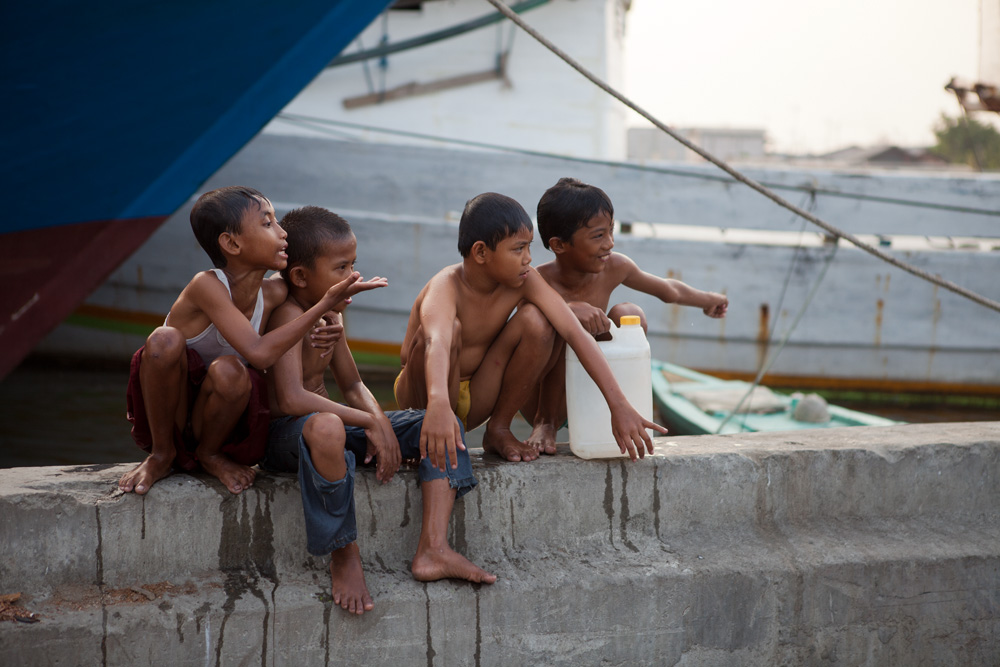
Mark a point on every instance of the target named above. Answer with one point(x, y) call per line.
point(788, 334)
point(774, 323)
point(749, 182)
point(315, 123)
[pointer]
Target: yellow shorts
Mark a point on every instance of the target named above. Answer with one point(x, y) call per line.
point(464, 399)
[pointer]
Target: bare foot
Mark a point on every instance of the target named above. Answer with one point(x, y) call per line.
point(502, 442)
point(348, 577)
point(236, 477)
point(144, 475)
point(543, 438)
point(446, 563)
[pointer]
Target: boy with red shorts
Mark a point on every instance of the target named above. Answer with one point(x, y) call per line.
point(195, 396)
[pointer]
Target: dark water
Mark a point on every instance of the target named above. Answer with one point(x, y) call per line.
point(59, 415)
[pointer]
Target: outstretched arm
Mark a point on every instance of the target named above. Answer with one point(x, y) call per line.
point(627, 425)
point(669, 290)
point(263, 351)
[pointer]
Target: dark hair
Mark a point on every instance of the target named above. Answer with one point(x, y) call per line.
point(308, 228)
point(490, 218)
point(569, 205)
point(219, 211)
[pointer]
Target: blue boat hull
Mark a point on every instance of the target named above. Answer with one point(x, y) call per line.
point(116, 112)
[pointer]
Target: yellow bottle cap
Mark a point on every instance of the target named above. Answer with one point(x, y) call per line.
point(630, 320)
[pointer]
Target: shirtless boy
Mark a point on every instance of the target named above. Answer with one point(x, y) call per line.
point(321, 439)
point(194, 394)
point(464, 354)
point(576, 222)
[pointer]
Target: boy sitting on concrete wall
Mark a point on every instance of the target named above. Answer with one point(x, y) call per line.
point(194, 395)
point(464, 353)
point(321, 439)
point(576, 222)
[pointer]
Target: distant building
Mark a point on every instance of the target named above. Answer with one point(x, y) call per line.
point(725, 143)
point(884, 156)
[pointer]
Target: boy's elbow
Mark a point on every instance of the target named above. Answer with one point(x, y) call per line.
point(285, 403)
point(262, 359)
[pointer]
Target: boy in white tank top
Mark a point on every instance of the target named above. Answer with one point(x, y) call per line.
point(195, 396)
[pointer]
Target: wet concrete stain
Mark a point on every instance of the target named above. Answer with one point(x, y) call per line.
point(373, 524)
point(143, 509)
point(104, 631)
point(262, 545)
point(199, 616)
point(609, 501)
point(656, 501)
point(479, 631)
point(246, 553)
point(327, 606)
point(430, 647)
point(406, 507)
point(180, 626)
point(625, 511)
point(513, 543)
point(99, 555)
point(458, 520)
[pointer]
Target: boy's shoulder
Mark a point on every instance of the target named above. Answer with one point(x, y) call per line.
point(201, 284)
point(275, 291)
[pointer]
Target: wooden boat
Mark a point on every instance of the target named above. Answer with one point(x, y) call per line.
point(693, 403)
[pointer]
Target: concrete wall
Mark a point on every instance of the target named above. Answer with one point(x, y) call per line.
point(862, 546)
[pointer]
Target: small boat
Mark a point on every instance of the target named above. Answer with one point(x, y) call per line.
point(693, 403)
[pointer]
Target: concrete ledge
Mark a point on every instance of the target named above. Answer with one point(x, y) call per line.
point(861, 546)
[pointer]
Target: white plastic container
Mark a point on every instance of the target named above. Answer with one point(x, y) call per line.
point(590, 435)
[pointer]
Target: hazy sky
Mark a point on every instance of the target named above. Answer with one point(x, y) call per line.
point(817, 75)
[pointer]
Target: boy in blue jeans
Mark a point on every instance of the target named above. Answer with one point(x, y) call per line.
point(321, 439)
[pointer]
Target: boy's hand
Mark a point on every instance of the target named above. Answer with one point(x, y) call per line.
point(717, 306)
point(383, 445)
point(360, 286)
point(629, 428)
point(325, 334)
point(339, 292)
point(441, 434)
point(365, 285)
point(594, 320)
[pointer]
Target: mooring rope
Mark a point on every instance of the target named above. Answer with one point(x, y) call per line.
point(749, 182)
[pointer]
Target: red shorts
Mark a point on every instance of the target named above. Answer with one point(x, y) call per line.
point(245, 445)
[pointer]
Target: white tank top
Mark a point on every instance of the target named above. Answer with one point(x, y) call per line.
point(210, 344)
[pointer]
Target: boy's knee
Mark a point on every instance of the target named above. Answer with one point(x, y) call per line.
point(622, 309)
point(165, 344)
point(534, 323)
point(324, 432)
point(230, 378)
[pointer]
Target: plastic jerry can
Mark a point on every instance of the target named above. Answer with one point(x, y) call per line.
point(590, 435)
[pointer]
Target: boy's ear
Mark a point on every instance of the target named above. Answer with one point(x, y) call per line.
point(478, 252)
point(229, 244)
point(297, 276)
point(557, 245)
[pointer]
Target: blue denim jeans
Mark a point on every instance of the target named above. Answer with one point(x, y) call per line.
point(329, 505)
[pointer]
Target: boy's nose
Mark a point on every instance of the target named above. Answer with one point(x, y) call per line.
point(281, 231)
